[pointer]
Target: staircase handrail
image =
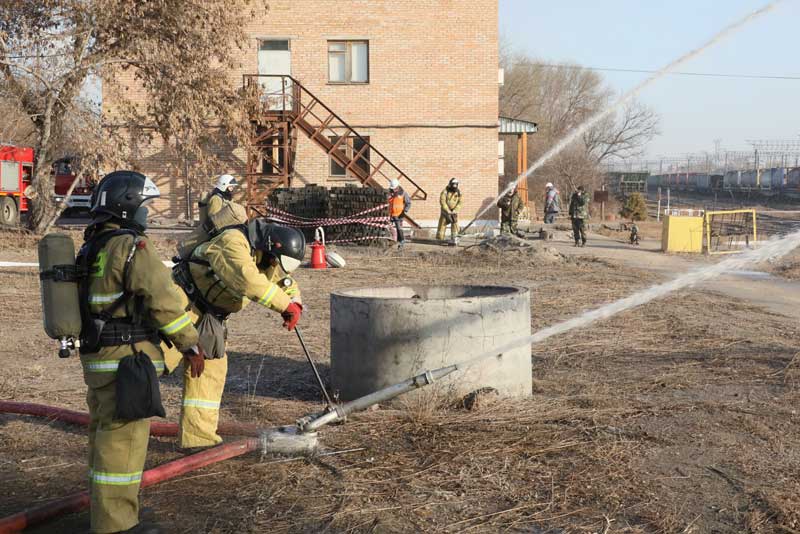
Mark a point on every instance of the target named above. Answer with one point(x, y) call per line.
point(248, 78)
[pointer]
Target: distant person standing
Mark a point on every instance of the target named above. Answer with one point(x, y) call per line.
point(579, 213)
point(552, 203)
point(510, 206)
point(634, 234)
point(450, 203)
point(399, 204)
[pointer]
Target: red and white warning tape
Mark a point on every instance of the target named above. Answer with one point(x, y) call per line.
point(289, 219)
point(353, 240)
point(283, 217)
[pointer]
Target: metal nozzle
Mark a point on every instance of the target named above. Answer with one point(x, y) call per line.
point(315, 422)
point(288, 440)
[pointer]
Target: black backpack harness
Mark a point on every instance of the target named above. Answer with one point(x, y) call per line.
point(103, 329)
point(182, 275)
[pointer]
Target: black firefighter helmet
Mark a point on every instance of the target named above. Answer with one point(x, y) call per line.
point(123, 196)
point(287, 245)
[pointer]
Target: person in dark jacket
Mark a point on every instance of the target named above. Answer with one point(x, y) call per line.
point(579, 213)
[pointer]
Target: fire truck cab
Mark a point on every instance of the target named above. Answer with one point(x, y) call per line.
point(64, 176)
point(16, 171)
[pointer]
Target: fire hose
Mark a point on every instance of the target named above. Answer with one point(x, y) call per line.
point(82, 419)
point(301, 439)
point(78, 502)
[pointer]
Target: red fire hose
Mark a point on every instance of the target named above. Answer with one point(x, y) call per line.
point(81, 418)
point(80, 501)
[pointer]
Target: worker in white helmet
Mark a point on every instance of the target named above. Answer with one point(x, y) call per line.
point(552, 203)
point(217, 198)
point(399, 204)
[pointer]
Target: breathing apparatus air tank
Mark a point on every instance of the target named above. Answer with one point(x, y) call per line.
point(58, 276)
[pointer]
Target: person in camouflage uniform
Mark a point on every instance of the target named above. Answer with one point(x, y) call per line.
point(131, 291)
point(510, 206)
point(579, 213)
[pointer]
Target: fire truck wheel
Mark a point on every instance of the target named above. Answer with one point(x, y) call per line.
point(8, 211)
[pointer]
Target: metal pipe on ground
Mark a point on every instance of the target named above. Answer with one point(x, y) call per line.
point(157, 428)
point(314, 423)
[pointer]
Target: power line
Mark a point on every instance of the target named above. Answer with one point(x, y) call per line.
point(675, 73)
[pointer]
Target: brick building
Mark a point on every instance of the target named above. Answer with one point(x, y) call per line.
point(417, 79)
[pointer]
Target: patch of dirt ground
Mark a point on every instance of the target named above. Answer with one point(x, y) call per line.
point(786, 267)
point(678, 416)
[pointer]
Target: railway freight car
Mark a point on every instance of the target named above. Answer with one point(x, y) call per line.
point(624, 183)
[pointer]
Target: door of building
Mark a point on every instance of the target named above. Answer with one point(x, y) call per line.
point(275, 61)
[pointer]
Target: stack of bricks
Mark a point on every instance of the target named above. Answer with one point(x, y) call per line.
point(315, 202)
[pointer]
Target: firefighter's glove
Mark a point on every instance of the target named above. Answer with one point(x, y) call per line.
point(291, 316)
point(195, 359)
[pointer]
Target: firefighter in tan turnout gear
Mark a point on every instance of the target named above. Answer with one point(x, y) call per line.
point(217, 198)
point(129, 303)
point(243, 263)
point(449, 203)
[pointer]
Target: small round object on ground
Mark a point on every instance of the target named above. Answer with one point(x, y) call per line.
point(335, 259)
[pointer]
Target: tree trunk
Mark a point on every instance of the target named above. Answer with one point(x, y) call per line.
point(43, 206)
point(42, 202)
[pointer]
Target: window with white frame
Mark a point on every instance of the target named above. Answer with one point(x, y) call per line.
point(348, 61)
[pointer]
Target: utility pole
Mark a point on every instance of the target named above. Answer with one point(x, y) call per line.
point(668, 200)
point(658, 210)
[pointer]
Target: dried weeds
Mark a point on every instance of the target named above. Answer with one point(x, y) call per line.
point(679, 416)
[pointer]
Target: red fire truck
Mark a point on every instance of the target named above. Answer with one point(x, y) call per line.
point(64, 176)
point(16, 171)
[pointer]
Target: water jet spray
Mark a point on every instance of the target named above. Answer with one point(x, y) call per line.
point(622, 100)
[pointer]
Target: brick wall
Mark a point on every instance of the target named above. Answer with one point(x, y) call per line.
point(433, 90)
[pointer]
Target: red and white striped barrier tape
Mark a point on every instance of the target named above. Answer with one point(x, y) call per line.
point(289, 219)
point(353, 240)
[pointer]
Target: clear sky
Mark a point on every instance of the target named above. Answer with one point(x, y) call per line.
point(647, 34)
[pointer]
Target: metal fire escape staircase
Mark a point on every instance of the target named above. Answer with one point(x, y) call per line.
point(283, 107)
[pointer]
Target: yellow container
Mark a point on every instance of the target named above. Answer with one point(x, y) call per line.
point(682, 234)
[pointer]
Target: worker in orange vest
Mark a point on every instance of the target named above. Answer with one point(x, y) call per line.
point(399, 204)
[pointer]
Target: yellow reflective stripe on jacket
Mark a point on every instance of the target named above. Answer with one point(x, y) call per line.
point(104, 298)
point(269, 294)
point(201, 403)
point(291, 291)
point(110, 366)
point(116, 479)
point(181, 322)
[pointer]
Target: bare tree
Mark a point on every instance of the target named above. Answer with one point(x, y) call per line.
point(624, 135)
point(178, 52)
point(559, 98)
point(15, 126)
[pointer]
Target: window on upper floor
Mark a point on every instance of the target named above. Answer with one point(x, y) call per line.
point(348, 61)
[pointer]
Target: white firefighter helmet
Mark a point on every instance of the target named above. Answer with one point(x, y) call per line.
point(548, 185)
point(225, 181)
point(394, 183)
